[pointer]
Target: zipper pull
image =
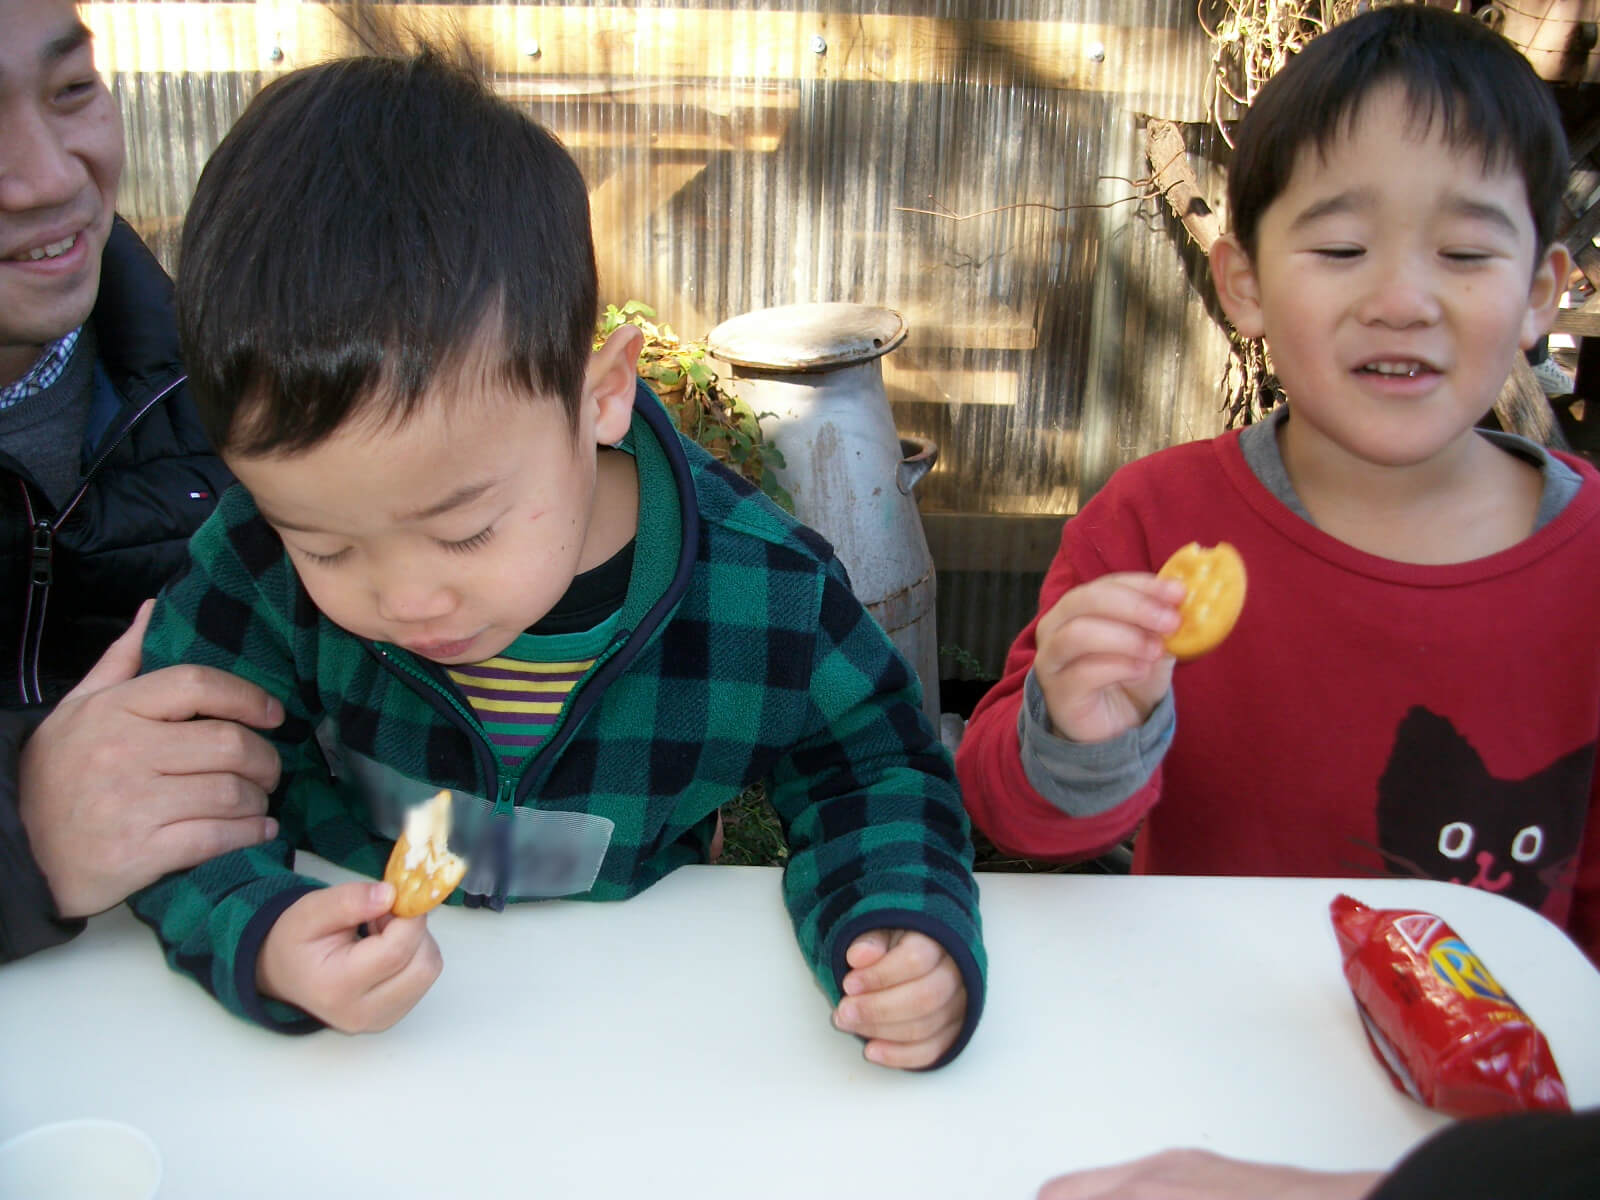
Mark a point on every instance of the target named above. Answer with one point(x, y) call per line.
point(500, 830)
point(43, 552)
point(505, 795)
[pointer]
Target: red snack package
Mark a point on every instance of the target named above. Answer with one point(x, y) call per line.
point(1447, 1033)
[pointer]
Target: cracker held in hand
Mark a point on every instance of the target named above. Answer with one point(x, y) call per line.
point(421, 867)
point(1215, 596)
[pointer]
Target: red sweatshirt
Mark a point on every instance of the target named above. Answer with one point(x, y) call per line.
point(1365, 717)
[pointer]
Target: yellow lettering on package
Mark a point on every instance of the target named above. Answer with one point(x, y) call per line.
point(1461, 969)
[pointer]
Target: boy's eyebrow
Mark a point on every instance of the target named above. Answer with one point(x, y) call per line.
point(1480, 210)
point(1358, 199)
point(456, 499)
point(463, 495)
point(1353, 200)
point(280, 523)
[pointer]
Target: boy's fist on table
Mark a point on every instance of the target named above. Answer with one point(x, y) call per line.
point(905, 995)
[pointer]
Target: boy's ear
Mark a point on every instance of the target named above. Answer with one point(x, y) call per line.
point(609, 382)
point(1237, 286)
point(1544, 296)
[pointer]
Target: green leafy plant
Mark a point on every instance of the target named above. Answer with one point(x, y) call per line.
point(700, 401)
point(752, 834)
point(967, 662)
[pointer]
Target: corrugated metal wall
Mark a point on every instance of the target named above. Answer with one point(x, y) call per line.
point(756, 154)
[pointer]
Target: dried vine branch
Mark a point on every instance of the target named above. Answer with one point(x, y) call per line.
point(1146, 189)
point(1252, 40)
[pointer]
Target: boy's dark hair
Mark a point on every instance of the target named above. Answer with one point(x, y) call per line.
point(1457, 73)
point(366, 222)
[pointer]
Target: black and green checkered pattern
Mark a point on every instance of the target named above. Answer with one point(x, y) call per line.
point(741, 656)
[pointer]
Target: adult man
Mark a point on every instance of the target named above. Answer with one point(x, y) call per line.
point(107, 781)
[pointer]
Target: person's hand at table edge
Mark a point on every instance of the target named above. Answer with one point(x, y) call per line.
point(132, 777)
point(1201, 1175)
point(316, 958)
point(904, 994)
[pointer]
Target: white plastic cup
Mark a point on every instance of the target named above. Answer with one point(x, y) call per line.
point(83, 1159)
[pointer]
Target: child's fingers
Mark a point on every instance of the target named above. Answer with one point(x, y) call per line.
point(385, 954)
point(867, 949)
point(920, 1028)
point(908, 1011)
point(1090, 638)
point(344, 906)
point(394, 996)
point(909, 955)
point(1086, 677)
point(1139, 600)
point(908, 1056)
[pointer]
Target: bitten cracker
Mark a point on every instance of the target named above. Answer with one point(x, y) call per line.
point(421, 866)
point(1215, 580)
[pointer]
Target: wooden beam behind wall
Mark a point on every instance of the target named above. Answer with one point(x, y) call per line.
point(1154, 67)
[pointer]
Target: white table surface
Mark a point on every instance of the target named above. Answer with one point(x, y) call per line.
point(675, 1045)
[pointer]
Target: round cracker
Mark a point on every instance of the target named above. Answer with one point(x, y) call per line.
point(1214, 580)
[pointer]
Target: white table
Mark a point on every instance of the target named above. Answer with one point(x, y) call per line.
point(675, 1045)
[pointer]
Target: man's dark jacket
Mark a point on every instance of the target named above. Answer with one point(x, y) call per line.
point(72, 578)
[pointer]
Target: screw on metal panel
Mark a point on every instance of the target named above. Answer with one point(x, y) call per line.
point(276, 54)
point(532, 49)
point(819, 44)
point(1096, 51)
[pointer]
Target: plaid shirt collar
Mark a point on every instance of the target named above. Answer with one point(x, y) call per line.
point(44, 372)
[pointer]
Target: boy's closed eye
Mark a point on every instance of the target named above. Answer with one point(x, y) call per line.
point(457, 546)
point(468, 544)
point(321, 560)
point(1465, 257)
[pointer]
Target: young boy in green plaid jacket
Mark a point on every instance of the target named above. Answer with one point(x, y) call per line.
point(472, 552)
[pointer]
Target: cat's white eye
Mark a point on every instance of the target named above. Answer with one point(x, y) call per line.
point(1455, 839)
point(1526, 845)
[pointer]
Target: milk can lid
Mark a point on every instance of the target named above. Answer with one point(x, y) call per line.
point(807, 337)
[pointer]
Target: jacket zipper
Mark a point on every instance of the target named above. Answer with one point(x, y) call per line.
point(504, 787)
point(41, 568)
point(504, 790)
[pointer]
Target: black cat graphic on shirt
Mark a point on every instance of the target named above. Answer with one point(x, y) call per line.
point(1441, 815)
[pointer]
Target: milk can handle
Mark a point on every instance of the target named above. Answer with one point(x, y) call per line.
point(917, 456)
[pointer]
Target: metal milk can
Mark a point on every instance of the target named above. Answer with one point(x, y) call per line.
point(811, 373)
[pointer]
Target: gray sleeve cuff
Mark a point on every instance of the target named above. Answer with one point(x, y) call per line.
point(1085, 779)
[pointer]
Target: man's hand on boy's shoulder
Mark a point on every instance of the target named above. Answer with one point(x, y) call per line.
point(904, 994)
point(316, 958)
point(134, 776)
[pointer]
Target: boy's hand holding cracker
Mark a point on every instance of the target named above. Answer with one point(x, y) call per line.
point(316, 958)
point(1102, 661)
point(1107, 648)
point(905, 995)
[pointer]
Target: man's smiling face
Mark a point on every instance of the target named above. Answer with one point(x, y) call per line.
point(61, 156)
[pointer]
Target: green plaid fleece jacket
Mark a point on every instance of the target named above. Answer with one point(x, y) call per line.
point(740, 655)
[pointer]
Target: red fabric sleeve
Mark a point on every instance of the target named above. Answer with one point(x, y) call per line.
point(998, 796)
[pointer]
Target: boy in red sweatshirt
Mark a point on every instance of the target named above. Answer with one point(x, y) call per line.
point(1413, 686)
